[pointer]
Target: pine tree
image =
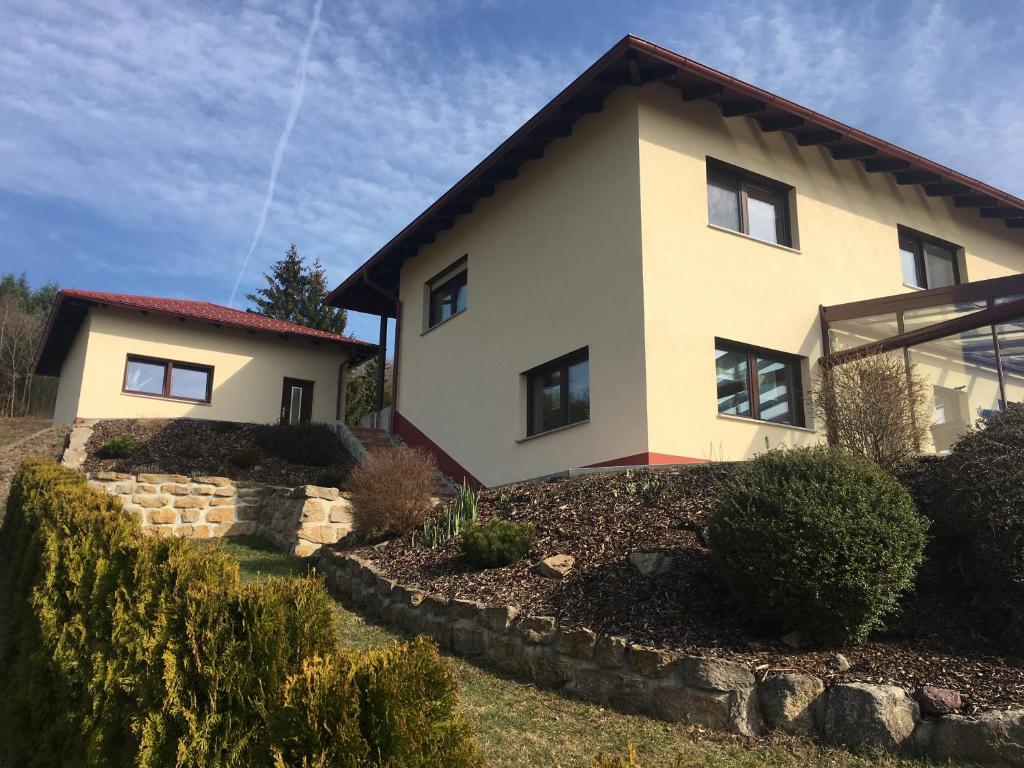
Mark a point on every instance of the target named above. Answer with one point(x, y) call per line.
point(296, 294)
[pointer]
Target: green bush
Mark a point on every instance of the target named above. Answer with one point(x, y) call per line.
point(497, 543)
point(332, 477)
point(314, 445)
point(245, 457)
point(816, 540)
point(119, 447)
point(126, 650)
point(455, 517)
point(978, 508)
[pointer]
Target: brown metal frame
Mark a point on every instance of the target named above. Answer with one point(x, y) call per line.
point(795, 374)
point(168, 365)
point(456, 272)
point(745, 182)
point(919, 240)
point(562, 365)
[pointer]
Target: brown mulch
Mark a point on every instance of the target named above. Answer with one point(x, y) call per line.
point(601, 519)
point(193, 446)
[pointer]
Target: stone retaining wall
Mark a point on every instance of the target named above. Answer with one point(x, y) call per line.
point(709, 692)
point(299, 520)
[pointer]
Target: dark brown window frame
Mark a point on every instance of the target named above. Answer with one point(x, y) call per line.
point(457, 272)
point(561, 364)
point(921, 263)
point(794, 363)
point(169, 366)
point(747, 181)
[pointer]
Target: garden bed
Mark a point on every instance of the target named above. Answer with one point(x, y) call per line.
point(601, 519)
point(193, 446)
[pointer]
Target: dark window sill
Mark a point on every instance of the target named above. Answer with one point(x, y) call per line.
point(446, 320)
point(763, 422)
point(745, 236)
point(553, 431)
point(150, 396)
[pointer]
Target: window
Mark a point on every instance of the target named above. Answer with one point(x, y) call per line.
point(447, 293)
point(167, 378)
point(928, 262)
point(758, 383)
point(558, 393)
point(747, 203)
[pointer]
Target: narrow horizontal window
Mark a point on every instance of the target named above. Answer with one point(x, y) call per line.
point(758, 384)
point(928, 262)
point(748, 203)
point(558, 393)
point(447, 293)
point(168, 378)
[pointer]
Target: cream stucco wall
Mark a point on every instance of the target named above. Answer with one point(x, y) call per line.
point(247, 379)
point(69, 385)
point(554, 265)
point(701, 282)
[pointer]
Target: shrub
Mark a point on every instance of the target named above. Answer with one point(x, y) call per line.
point(125, 650)
point(314, 445)
point(224, 427)
point(391, 491)
point(118, 447)
point(978, 509)
point(817, 540)
point(245, 457)
point(332, 477)
point(497, 543)
point(876, 407)
point(455, 516)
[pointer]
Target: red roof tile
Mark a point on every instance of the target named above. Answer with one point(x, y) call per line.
point(205, 311)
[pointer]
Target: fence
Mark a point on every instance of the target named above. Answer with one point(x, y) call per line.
point(377, 420)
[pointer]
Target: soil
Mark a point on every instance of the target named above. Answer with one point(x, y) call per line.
point(193, 446)
point(601, 519)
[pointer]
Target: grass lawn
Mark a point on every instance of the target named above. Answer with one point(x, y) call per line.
point(15, 429)
point(519, 725)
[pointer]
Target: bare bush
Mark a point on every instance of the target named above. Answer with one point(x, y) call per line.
point(392, 490)
point(876, 406)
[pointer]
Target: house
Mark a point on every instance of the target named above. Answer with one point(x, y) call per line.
point(651, 269)
point(121, 356)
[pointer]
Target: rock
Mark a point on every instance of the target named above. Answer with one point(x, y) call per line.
point(687, 705)
point(863, 715)
point(578, 643)
point(650, 662)
point(937, 701)
point(555, 567)
point(713, 674)
point(497, 618)
point(992, 737)
point(838, 663)
point(651, 563)
point(610, 651)
point(792, 703)
point(537, 630)
point(220, 515)
point(794, 639)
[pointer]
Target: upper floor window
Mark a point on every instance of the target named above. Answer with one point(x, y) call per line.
point(167, 378)
point(747, 203)
point(927, 261)
point(758, 383)
point(447, 293)
point(558, 393)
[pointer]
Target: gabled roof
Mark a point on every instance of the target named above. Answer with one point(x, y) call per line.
point(634, 62)
point(71, 306)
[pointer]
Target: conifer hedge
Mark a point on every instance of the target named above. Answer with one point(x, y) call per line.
point(118, 649)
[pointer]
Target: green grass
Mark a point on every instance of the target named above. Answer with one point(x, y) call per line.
point(519, 725)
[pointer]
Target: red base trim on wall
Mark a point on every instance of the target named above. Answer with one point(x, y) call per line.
point(647, 458)
point(406, 430)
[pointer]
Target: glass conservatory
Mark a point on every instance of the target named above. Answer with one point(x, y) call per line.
point(966, 341)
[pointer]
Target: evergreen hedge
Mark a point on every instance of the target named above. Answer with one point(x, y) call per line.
point(126, 650)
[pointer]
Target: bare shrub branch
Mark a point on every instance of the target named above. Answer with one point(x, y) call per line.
point(875, 406)
point(392, 490)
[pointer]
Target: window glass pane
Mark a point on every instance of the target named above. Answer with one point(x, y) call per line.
point(189, 382)
point(579, 391)
point(908, 260)
point(460, 298)
point(295, 406)
point(723, 202)
point(448, 298)
point(731, 373)
point(146, 377)
point(763, 210)
point(774, 383)
point(546, 401)
point(939, 261)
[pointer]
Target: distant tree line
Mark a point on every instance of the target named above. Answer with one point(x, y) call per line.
point(23, 313)
point(296, 291)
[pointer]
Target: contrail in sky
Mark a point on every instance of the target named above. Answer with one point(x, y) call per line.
point(282, 143)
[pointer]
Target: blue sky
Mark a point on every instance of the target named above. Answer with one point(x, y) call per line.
point(138, 139)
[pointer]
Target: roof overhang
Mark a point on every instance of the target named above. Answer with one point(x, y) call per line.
point(69, 312)
point(636, 62)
